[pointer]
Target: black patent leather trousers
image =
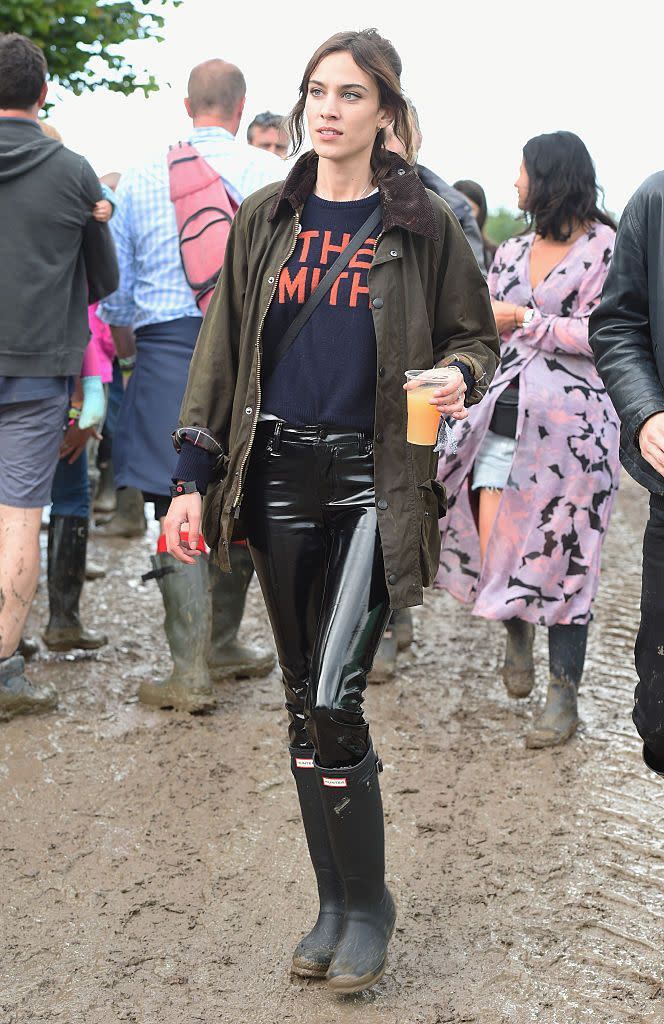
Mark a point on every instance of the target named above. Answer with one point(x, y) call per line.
point(310, 519)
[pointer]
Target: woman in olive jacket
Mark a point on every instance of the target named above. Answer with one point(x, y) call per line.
point(310, 456)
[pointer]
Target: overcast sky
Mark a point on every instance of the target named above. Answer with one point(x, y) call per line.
point(485, 77)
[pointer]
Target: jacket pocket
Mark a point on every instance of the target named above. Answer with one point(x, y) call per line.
point(433, 491)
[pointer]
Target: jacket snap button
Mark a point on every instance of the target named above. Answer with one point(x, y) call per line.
point(248, 410)
point(391, 579)
point(381, 371)
point(270, 280)
point(382, 504)
point(377, 303)
point(401, 171)
point(393, 252)
point(379, 438)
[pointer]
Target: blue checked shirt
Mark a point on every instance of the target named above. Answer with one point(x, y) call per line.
point(153, 288)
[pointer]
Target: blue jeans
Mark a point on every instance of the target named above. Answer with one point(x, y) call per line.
point(70, 494)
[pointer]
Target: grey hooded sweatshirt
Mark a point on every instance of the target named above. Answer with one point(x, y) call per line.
point(54, 257)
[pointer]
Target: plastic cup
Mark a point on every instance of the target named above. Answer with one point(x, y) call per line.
point(424, 418)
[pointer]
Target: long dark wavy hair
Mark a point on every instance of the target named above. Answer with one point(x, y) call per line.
point(562, 186)
point(378, 58)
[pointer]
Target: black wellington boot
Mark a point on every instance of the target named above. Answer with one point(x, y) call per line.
point(185, 591)
point(354, 814)
point(227, 657)
point(314, 952)
point(67, 548)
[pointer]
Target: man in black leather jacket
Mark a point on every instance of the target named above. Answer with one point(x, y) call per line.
point(627, 339)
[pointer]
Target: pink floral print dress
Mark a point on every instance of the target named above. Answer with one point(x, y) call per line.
point(543, 559)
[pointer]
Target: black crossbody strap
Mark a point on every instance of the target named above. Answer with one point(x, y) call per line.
point(319, 293)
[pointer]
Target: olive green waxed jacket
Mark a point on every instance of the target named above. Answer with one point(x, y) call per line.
point(430, 306)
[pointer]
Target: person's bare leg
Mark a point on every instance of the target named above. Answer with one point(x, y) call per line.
point(489, 501)
point(19, 571)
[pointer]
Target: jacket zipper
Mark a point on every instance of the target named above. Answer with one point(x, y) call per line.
point(239, 495)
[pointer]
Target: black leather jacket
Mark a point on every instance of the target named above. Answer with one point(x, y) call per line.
point(627, 328)
point(461, 209)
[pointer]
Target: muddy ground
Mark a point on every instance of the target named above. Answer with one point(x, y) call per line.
point(155, 870)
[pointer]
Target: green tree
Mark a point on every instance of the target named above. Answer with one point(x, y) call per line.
point(79, 38)
point(502, 224)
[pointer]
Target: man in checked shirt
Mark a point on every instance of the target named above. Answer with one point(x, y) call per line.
point(155, 322)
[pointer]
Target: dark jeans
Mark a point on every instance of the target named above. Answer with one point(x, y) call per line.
point(309, 512)
point(70, 493)
point(648, 711)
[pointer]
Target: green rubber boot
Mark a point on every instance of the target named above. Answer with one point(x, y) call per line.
point(227, 657)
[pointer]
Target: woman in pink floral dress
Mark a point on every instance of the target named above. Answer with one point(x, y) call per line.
point(532, 485)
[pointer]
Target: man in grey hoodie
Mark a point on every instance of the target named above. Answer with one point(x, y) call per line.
point(55, 259)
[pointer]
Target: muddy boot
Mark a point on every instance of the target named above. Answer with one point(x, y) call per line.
point(403, 627)
point(129, 518)
point(354, 814)
point(559, 718)
point(385, 659)
point(106, 500)
point(652, 761)
point(314, 952)
point(94, 571)
point(227, 657)
point(67, 547)
point(18, 696)
point(186, 596)
point(27, 647)
point(519, 667)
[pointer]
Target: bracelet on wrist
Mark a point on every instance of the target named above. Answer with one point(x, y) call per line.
point(127, 363)
point(74, 413)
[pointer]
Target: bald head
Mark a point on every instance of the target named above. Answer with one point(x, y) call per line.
point(216, 93)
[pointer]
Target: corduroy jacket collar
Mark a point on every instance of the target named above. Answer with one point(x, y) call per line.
point(403, 197)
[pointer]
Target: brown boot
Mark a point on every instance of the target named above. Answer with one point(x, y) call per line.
point(227, 657)
point(519, 667)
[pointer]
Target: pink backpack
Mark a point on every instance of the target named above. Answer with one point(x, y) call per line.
point(203, 211)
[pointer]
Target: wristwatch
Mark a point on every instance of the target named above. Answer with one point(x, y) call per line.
point(528, 317)
point(188, 487)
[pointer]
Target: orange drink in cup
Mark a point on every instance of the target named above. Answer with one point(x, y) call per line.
point(424, 418)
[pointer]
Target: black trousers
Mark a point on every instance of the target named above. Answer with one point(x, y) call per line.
point(310, 517)
point(648, 711)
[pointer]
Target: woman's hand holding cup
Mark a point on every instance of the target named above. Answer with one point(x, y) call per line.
point(449, 396)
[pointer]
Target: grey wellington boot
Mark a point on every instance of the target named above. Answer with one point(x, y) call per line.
point(227, 657)
point(106, 498)
point(18, 696)
point(186, 596)
point(519, 668)
point(403, 627)
point(128, 520)
point(559, 718)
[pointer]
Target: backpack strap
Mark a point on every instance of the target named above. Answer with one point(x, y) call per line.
point(324, 285)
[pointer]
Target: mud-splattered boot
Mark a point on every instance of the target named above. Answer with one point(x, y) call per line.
point(227, 657)
point(128, 520)
point(559, 719)
point(354, 814)
point(519, 668)
point(385, 658)
point(314, 952)
point(403, 627)
point(106, 499)
point(18, 696)
point(67, 551)
point(186, 596)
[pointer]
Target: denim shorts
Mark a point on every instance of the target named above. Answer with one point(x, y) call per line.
point(494, 462)
point(31, 434)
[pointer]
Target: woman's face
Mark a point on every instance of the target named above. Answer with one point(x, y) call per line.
point(521, 185)
point(343, 109)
